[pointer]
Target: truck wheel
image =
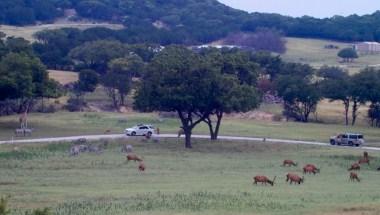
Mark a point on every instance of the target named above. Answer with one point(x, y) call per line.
point(350, 143)
point(133, 133)
point(332, 142)
point(357, 145)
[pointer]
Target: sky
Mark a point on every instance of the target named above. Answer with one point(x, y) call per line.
point(315, 8)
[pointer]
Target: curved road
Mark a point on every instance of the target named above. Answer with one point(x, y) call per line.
point(118, 136)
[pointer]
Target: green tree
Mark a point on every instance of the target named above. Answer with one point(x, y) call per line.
point(118, 80)
point(299, 92)
point(348, 54)
point(365, 88)
point(232, 91)
point(176, 80)
point(336, 85)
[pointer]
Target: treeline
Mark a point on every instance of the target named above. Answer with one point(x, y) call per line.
point(24, 12)
point(189, 21)
point(350, 28)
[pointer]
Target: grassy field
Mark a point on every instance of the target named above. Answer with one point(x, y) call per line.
point(67, 124)
point(63, 77)
point(27, 31)
point(312, 51)
point(213, 178)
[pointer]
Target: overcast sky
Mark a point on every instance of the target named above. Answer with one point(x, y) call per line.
point(315, 8)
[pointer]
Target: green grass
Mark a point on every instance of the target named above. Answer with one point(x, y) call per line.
point(312, 51)
point(70, 124)
point(213, 178)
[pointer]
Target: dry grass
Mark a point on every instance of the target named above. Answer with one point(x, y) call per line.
point(63, 77)
point(28, 31)
point(312, 51)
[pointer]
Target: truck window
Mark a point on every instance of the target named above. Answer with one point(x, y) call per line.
point(360, 137)
point(344, 136)
point(353, 136)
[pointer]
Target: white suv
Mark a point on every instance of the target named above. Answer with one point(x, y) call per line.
point(141, 130)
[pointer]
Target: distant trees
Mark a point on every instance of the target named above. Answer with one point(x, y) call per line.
point(96, 55)
point(262, 39)
point(348, 54)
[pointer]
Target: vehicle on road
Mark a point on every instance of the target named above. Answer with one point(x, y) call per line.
point(140, 130)
point(347, 139)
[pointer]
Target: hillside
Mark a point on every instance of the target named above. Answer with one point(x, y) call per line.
point(188, 21)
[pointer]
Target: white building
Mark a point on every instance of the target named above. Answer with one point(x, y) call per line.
point(367, 47)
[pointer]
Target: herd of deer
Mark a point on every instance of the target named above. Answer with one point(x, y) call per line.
point(311, 169)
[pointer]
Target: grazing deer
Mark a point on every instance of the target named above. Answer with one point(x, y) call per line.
point(354, 176)
point(354, 166)
point(364, 160)
point(133, 157)
point(310, 169)
point(289, 163)
point(317, 170)
point(294, 178)
point(263, 180)
point(142, 166)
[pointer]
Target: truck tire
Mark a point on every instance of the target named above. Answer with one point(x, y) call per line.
point(332, 142)
point(133, 133)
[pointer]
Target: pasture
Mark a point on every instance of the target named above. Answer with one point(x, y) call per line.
point(213, 178)
point(312, 51)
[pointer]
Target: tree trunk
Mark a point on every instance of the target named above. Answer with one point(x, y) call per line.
point(346, 109)
point(188, 138)
point(355, 108)
point(214, 132)
point(122, 98)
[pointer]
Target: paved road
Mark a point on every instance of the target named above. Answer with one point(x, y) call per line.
point(118, 136)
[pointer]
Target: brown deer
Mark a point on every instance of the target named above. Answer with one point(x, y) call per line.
point(133, 157)
point(364, 160)
point(294, 178)
point(263, 180)
point(354, 166)
point(289, 163)
point(365, 154)
point(309, 170)
point(354, 176)
point(312, 166)
point(180, 132)
point(142, 166)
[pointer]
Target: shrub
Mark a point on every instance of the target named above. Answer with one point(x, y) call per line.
point(75, 104)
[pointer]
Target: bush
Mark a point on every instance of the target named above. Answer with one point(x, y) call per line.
point(75, 104)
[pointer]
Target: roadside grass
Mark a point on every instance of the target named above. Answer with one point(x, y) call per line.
point(312, 51)
point(86, 123)
point(212, 178)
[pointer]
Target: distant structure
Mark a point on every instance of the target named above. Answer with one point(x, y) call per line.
point(367, 47)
